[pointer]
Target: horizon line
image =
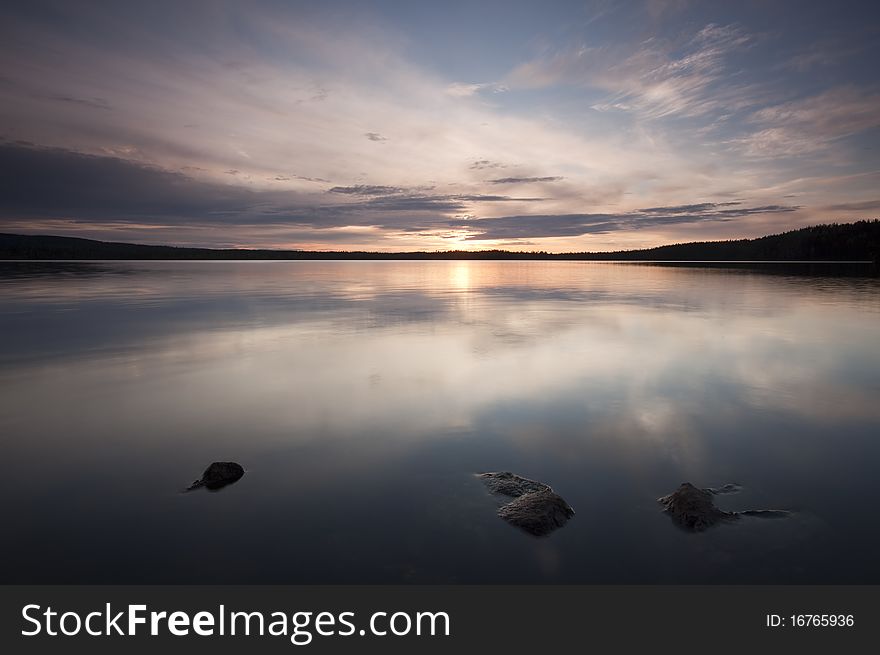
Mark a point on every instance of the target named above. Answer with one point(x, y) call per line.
point(546, 253)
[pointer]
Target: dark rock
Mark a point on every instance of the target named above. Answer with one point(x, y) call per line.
point(536, 508)
point(538, 512)
point(508, 484)
point(692, 508)
point(218, 475)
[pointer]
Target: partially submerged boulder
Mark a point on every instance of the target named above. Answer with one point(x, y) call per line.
point(538, 513)
point(694, 509)
point(218, 475)
point(536, 508)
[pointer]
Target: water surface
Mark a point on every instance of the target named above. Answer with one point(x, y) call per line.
point(362, 396)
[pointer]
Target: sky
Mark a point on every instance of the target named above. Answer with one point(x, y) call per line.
point(390, 125)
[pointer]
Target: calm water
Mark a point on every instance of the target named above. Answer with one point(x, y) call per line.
point(362, 396)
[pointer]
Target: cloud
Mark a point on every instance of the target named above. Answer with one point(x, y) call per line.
point(50, 182)
point(689, 209)
point(305, 178)
point(463, 90)
point(438, 206)
point(94, 103)
point(436, 203)
point(395, 198)
point(868, 205)
point(656, 79)
point(482, 197)
point(482, 164)
point(810, 124)
point(375, 136)
point(524, 180)
point(55, 184)
point(611, 106)
point(572, 225)
point(366, 190)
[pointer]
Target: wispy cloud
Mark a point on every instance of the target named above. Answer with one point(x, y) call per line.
point(94, 103)
point(656, 78)
point(482, 164)
point(305, 178)
point(572, 225)
point(867, 205)
point(463, 90)
point(525, 180)
point(366, 190)
point(811, 124)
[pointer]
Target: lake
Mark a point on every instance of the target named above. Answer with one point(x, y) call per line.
point(361, 398)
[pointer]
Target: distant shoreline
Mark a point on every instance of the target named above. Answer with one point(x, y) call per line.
point(862, 262)
point(857, 242)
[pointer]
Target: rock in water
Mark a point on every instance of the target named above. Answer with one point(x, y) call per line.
point(538, 513)
point(508, 484)
point(536, 508)
point(218, 475)
point(692, 508)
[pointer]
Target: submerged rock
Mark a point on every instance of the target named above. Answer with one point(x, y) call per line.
point(536, 508)
point(538, 513)
point(218, 475)
point(694, 509)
